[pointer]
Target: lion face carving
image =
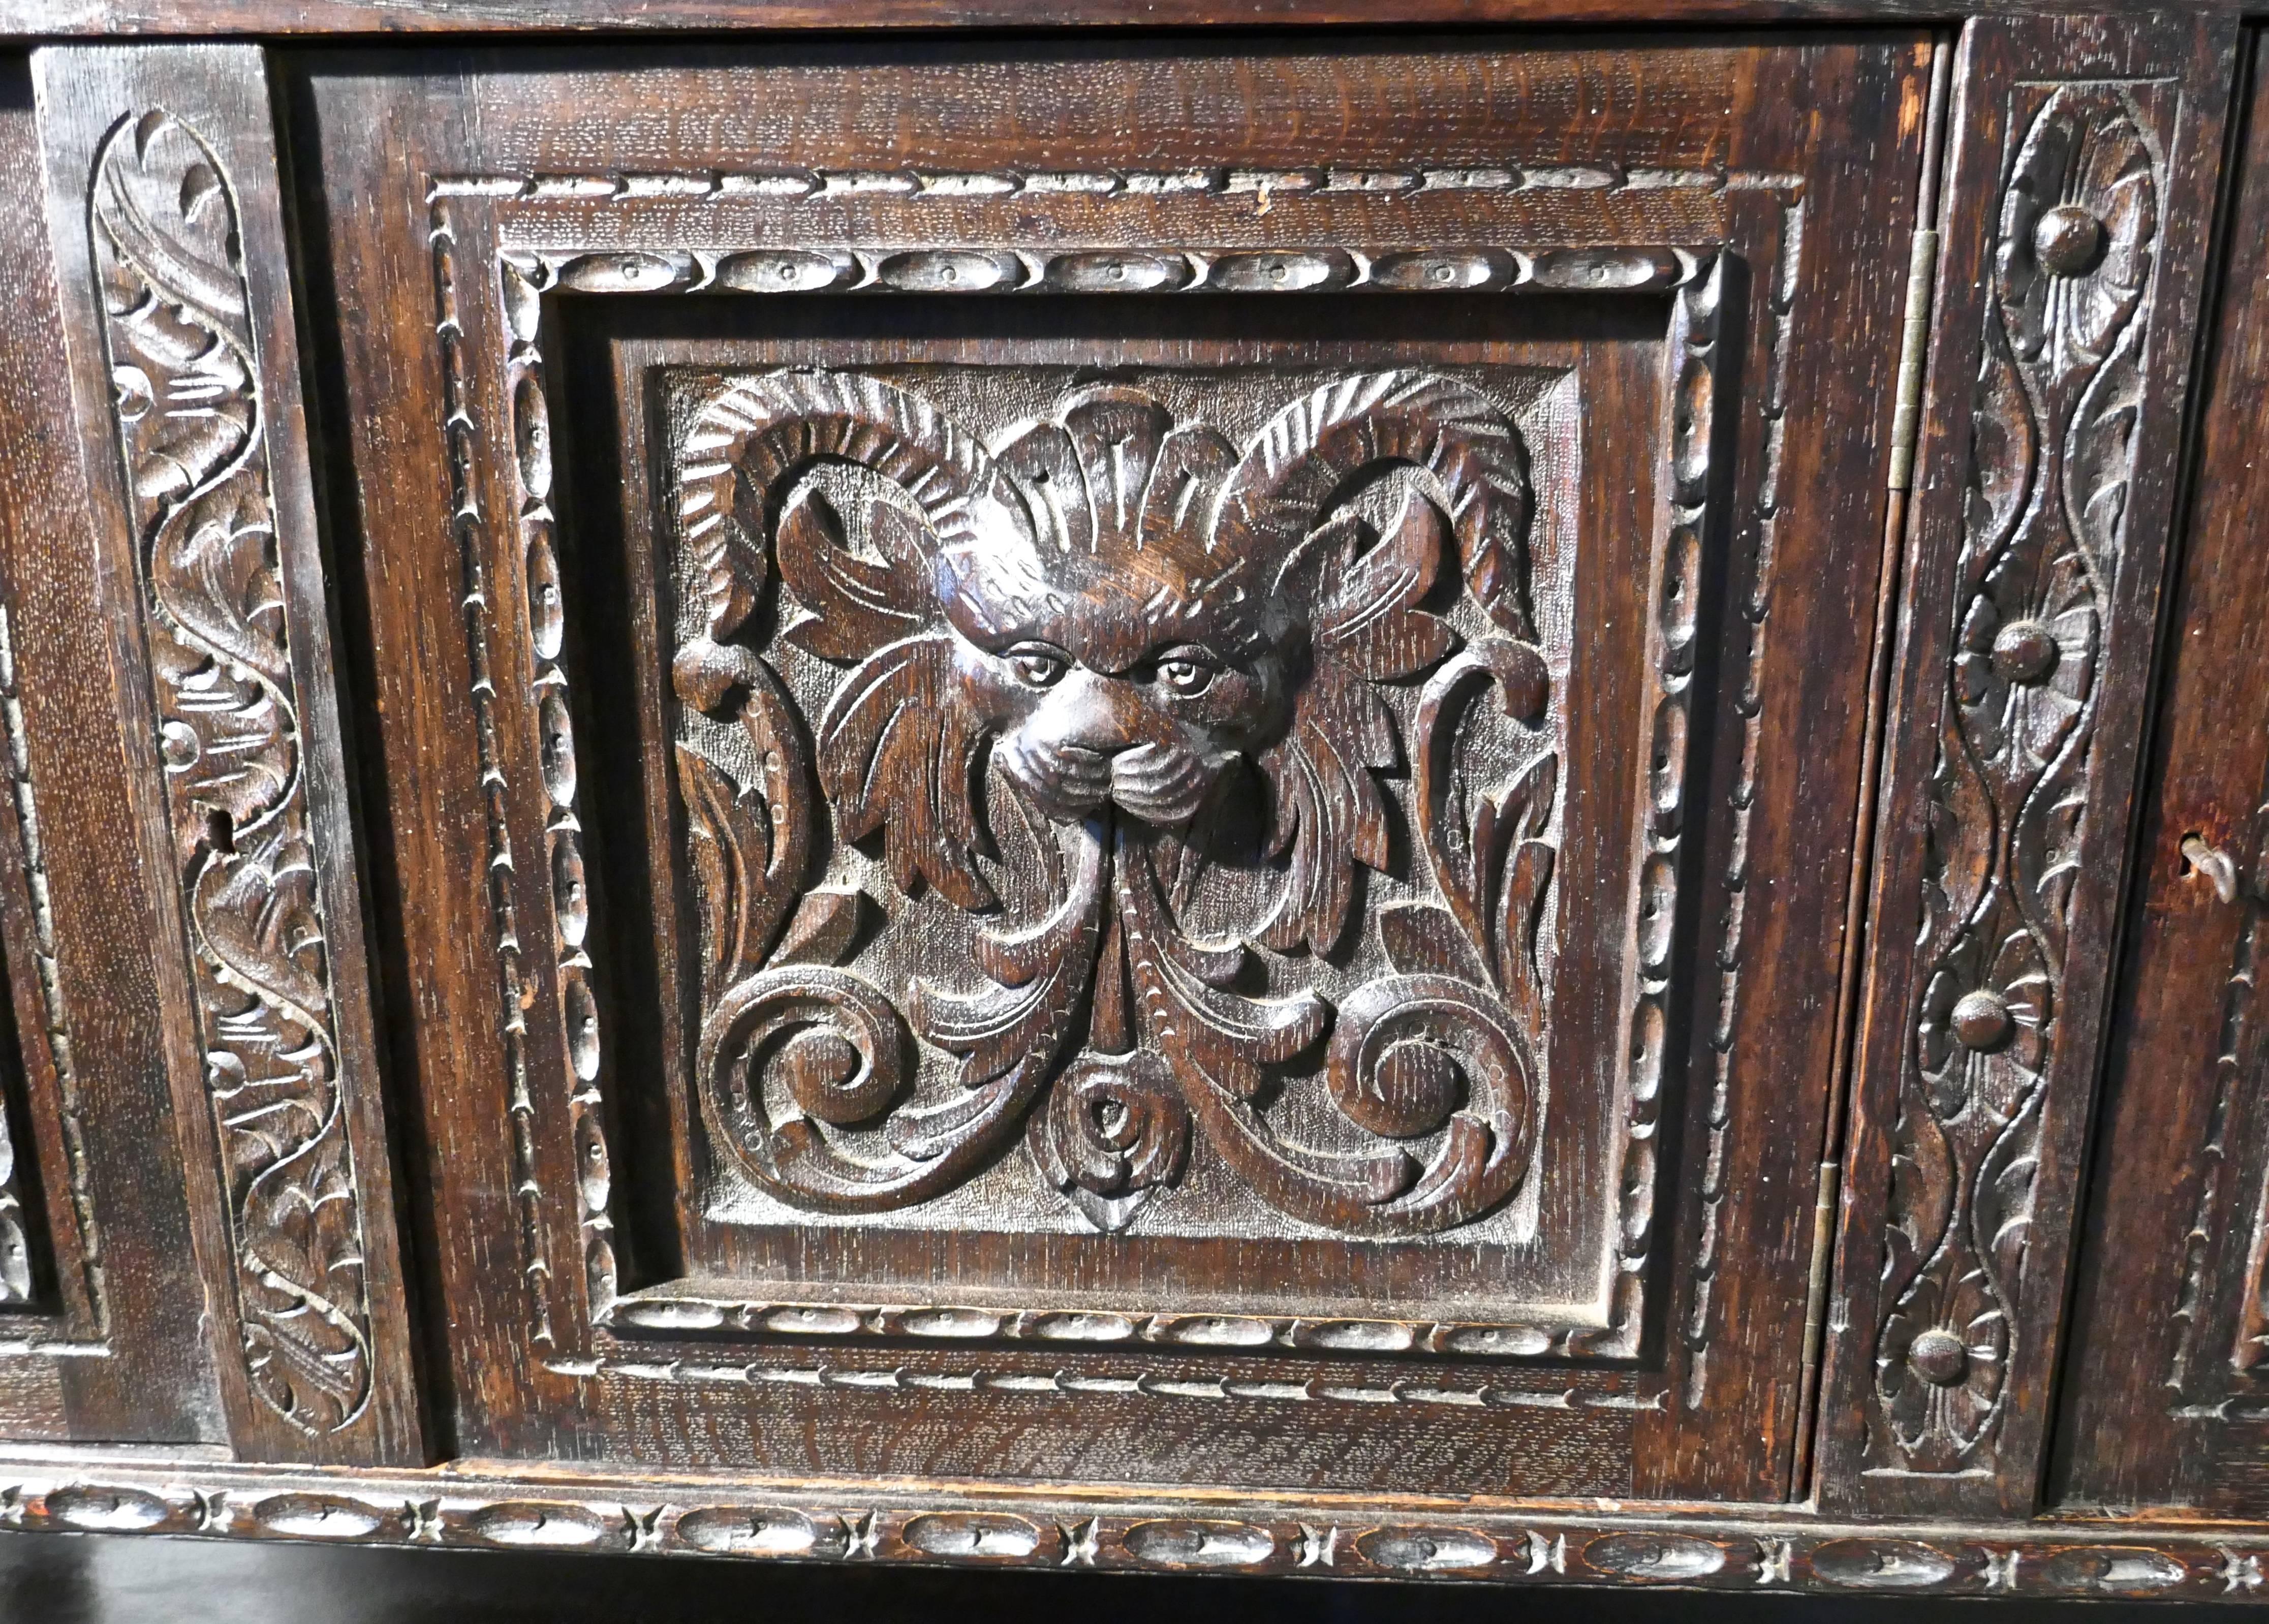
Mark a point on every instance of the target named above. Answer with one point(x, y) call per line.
point(1117, 606)
point(1113, 608)
point(1113, 657)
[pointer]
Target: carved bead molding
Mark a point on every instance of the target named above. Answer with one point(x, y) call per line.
point(2199, 1376)
point(1161, 1536)
point(2067, 325)
point(176, 328)
point(1104, 1122)
point(15, 1242)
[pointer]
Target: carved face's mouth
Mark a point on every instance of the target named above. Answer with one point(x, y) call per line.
point(1163, 785)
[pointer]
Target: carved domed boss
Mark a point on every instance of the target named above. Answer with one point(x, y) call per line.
point(1115, 690)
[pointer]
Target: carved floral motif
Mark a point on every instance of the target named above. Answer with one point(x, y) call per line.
point(1086, 643)
point(188, 415)
point(2053, 452)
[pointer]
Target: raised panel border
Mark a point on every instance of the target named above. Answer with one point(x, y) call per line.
point(535, 252)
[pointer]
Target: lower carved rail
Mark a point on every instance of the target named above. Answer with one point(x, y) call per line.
point(913, 1522)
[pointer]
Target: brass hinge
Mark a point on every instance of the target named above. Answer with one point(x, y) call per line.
point(1906, 418)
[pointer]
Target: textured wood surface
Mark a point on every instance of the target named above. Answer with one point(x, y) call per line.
point(2169, 1314)
point(1201, 802)
point(43, 17)
point(513, 741)
point(110, 1345)
point(163, 206)
point(2047, 472)
point(1055, 1530)
point(118, 1579)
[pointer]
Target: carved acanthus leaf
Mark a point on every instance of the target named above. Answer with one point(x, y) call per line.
point(1097, 618)
point(189, 415)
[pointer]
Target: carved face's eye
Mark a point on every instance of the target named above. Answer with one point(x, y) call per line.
point(1188, 670)
point(1036, 665)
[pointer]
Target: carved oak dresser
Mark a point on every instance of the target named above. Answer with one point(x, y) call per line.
point(921, 780)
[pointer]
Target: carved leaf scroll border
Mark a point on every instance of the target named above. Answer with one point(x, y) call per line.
point(645, 270)
point(190, 420)
point(2058, 381)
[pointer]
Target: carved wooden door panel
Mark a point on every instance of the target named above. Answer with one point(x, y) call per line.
point(2080, 169)
point(2169, 1320)
point(1127, 763)
point(196, 1228)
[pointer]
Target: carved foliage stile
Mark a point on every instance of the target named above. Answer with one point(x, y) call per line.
point(2052, 454)
point(189, 414)
point(1117, 622)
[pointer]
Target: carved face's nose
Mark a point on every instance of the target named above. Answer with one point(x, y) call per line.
point(1104, 715)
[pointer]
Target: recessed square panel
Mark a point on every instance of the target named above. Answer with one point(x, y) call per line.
point(1155, 827)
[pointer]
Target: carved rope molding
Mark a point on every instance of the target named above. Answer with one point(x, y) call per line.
point(55, 1021)
point(2052, 450)
point(1169, 1380)
point(544, 627)
point(470, 535)
point(178, 332)
point(524, 274)
point(1542, 1548)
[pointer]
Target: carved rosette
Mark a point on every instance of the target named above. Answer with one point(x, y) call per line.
point(189, 411)
point(2051, 460)
point(1085, 645)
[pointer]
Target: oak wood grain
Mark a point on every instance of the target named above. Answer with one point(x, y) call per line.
point(2011, 771)
point(123, 1302)
point(469, 215)
point(164, 208)
point(36, 18)
point(2168, 1305)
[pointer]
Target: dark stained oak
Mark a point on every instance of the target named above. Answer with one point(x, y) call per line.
point(1338, 734)
point(176, 290)
point(2047, 470)
point(1386, 797)
point(2164, 1387)
point(37, 18)
point(108, 1344)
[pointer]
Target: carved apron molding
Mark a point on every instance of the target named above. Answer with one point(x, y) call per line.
point(189, 418)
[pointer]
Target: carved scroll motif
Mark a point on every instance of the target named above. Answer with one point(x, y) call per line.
point(1087, 644)
point(2052, 454)
point(178, 336)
